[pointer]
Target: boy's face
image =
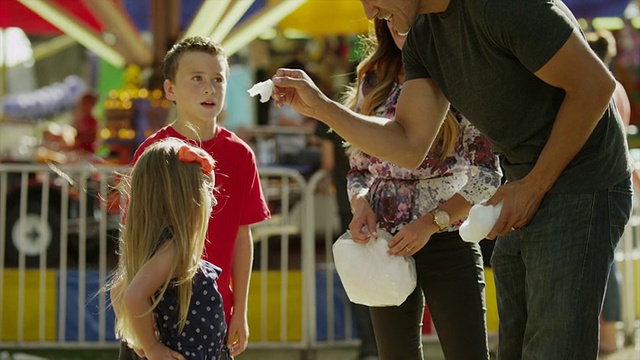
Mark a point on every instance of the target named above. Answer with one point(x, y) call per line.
point(200, 87)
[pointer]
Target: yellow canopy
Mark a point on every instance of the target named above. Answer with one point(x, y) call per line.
point(327, 17)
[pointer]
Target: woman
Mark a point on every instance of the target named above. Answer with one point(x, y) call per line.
point(423, 208)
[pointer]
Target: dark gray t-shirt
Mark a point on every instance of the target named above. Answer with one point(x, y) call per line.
point(482, 55)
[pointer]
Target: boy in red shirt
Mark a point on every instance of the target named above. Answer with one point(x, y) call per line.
point(196, 72)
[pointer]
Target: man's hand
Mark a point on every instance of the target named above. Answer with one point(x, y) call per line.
point(295, 87)
point(237, 334)
point(521, 202)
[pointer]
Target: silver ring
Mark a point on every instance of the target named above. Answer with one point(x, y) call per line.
point(407, 248)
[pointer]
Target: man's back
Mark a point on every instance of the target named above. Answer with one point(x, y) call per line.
point(489, 76)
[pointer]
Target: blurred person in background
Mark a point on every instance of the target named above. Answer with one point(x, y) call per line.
point(86, 124)
point(603, 44)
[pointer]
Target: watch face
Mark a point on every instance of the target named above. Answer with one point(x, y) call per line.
point(441, 217)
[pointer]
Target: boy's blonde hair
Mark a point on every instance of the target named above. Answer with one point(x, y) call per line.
point(383, 60)
point(165, 194)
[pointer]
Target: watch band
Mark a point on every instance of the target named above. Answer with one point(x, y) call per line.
point(441, 218)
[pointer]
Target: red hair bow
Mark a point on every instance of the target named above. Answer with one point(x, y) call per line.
point(186, 154)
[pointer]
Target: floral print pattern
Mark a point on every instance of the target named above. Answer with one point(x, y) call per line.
point(400, 195)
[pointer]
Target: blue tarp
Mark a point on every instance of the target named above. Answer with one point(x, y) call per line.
point(90, 307)
point(139, 11)
point(597, 8)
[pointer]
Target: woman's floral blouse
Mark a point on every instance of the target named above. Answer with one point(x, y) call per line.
point(399, 195)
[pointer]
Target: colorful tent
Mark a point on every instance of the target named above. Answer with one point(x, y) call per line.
point(242, 20)
point(315, 17)
point(14, 14)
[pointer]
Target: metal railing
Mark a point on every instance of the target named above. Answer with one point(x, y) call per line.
point(50, 276)
point(628, 257)
point(46, 212)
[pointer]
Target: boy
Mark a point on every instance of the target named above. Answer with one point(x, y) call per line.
point(196, 71)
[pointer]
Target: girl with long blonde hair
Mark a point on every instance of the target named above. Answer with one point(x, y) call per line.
point(423, 208)
point(164, 295)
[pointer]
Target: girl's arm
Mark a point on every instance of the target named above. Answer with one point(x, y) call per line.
point(137, 300)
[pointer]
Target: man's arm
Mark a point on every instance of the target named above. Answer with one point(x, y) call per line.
point(405, 141)
point(241, 272)
point(588, 86)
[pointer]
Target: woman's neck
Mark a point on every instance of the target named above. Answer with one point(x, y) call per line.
point(400, 77)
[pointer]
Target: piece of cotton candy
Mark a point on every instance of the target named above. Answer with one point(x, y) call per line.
point(481, 220)
point(263, 88)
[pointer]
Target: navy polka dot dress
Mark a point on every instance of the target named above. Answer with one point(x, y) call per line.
point(203, 335)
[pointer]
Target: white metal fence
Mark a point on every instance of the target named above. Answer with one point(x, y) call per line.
point(58, 227)
point(56, 238)
point(628, 258)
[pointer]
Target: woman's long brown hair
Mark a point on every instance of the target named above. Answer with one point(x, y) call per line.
point(383, 61)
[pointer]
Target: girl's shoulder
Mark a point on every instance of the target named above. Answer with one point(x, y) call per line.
point(209, 270)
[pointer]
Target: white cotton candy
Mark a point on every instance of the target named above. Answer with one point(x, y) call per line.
point(263, 88)
point(481, 220)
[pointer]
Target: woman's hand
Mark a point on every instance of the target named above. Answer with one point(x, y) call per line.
point(295, 87)
point(161, 352)
point(362, 216)
point(411, 238)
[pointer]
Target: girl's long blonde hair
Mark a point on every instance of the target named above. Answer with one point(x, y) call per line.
point(164, 193)
point(383, 61)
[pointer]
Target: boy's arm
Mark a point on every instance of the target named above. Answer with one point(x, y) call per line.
point(241, 273)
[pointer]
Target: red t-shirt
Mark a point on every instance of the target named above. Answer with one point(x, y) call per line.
point(239, 195)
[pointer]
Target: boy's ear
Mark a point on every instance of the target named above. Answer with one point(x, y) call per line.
point(168, 90)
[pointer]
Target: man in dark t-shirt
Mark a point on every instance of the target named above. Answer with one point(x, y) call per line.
point(523, 74)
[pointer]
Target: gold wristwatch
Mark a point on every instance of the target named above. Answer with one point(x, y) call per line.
point(441, 218)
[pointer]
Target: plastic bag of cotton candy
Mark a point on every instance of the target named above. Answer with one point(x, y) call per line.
point(480, 221)
point(369, 275)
